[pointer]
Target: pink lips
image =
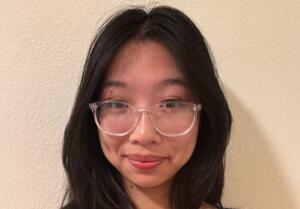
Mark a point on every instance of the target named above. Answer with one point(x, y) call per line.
point(145, 161)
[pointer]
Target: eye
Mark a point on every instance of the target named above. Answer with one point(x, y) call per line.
point(117, 105)
point(171, 104)
point(114, 106)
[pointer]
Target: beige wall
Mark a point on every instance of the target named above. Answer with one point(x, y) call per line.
point(256, 45)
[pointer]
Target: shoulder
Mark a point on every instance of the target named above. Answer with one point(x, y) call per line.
point(207, 206)
point(71, 205)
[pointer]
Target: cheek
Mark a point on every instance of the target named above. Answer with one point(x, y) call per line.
point(185, 150)
point(182, 150)
point(186, 145)
point(110, 148)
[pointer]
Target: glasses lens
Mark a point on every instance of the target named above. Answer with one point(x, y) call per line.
point(115, 117)
point(173, 117)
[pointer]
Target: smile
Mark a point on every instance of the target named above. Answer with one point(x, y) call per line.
point(144, 165)
point(144, 162)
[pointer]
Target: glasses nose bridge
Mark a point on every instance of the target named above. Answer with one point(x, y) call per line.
point(148, 110)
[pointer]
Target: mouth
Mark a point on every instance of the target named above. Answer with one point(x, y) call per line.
point(145, 161)
point(145, 165)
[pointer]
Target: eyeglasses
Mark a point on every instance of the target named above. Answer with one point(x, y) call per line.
point(170, 118)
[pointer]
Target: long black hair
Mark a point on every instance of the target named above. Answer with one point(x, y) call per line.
point(93, 183)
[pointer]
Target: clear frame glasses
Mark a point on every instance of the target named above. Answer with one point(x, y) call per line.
point(170, 118)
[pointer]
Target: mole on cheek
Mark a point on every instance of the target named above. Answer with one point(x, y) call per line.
point(106, 94)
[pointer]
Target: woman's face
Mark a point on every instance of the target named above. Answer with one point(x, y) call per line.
point(143, 71)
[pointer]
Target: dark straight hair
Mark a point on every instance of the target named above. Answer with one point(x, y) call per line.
point(93, 183)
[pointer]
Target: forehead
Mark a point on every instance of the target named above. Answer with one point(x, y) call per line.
point(143, 62)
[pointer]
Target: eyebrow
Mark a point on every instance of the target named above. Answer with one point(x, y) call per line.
point(114, 83)
point(163, 83)
point(173, 81)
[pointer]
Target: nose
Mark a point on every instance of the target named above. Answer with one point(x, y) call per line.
point(144, 133)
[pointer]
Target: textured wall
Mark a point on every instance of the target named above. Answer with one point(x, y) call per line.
point(256, 47)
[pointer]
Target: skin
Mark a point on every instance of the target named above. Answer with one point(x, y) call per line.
point(141, 68)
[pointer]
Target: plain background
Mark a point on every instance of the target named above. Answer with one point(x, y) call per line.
point(256, 45)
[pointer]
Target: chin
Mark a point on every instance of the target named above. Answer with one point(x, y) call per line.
point(147, 181)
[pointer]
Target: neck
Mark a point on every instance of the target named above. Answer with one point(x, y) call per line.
point(149, 198)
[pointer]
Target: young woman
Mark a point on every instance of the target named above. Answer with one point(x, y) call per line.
point(150, 124)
